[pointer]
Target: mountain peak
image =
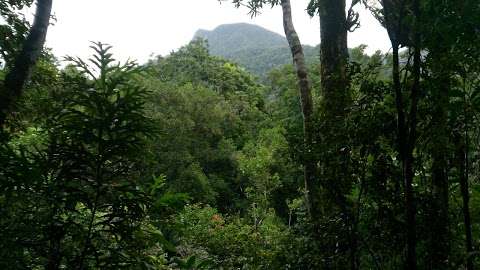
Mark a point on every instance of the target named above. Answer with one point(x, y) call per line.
point(252, 46)
point(231, 38)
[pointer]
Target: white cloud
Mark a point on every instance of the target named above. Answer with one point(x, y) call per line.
point(140, 28)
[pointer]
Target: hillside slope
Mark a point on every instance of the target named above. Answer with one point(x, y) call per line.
point(252, 46)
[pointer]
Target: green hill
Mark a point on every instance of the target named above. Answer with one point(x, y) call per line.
point(252, 46)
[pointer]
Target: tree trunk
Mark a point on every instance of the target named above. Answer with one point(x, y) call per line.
point(410, 210)
point(334, 58)
point(335, 103)
point(24, 62)
point(397, 87)
point(406, 124)
point(305, 89)
point(439, 238)
point(408, 164)
point(463, 172)
point(54, 252)
point(439, 234)
point(335, 99)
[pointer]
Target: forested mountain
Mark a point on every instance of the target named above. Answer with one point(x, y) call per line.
point(190, 162)
point(252, 46)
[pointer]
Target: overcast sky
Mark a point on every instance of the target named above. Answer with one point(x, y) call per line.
point(140, 28)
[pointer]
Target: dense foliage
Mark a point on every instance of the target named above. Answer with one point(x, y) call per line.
point(190, 161)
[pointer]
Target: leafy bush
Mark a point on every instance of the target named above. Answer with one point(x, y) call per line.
point(231, 242)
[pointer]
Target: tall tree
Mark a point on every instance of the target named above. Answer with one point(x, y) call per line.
point(333, 57)
point(453, 35)
point(399, 27)
point(336, 99)
point(438, 82)
point(305, 93)
point(18, 75)
point(439, 237)
point(409, 158)
point(461, 158)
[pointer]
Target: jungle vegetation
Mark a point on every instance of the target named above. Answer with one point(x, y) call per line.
point(335, 160)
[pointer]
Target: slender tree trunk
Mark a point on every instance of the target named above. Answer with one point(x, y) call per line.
point(439, 237)
point(401, 128)
point(305, 89)
point(54, 253)
point(406, 131)
point(462, 143)
point(439, 234)
point(462, 155)
point(32, 47)
point(406, 141)
point(408, 170)
point(98, 182)
point(408, 164)
point(410, 210)
point(56, 233)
